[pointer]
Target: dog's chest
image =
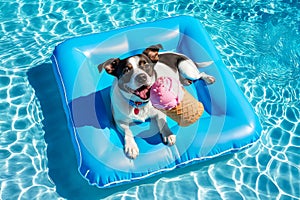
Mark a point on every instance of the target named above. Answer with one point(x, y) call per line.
point(125, 111)
point(140, 113)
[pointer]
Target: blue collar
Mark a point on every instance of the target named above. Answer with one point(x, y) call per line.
point(137, 104)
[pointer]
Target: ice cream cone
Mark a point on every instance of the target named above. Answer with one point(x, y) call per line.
point(170, 97)
point(187, 112)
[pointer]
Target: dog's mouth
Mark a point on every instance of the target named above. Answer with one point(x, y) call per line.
point(143, 92)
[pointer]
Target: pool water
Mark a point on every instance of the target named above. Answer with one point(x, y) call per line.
point(259, 43)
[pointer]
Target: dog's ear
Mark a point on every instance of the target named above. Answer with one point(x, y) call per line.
point(152, 52)
point(156, 48)
point(109, 66)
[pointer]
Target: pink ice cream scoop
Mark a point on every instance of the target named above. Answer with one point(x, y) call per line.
point(166, 93)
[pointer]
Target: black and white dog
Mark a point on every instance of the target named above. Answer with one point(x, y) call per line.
point(131, 89)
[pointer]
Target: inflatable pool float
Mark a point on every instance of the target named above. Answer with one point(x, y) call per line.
point(228, 123)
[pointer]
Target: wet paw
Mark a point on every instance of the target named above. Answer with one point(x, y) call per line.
point(131, 150)
point(169, 140)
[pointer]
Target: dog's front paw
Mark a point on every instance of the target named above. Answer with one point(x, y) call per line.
point(131, 149)
point(169, 140)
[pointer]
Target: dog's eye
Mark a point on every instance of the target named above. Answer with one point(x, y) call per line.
point(142, 63)
point(126, 70)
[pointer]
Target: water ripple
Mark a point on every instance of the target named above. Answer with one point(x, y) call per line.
point(258, 41)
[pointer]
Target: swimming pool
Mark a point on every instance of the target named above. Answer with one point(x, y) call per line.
point(258, 41)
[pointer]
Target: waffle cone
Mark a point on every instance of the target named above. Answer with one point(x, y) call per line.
point(187, 111)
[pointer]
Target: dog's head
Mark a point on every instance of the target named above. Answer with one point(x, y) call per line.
point(135, 74)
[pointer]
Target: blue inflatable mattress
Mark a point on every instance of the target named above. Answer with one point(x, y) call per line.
point(228, 123)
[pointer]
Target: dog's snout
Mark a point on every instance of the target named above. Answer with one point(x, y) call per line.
point(141, 78)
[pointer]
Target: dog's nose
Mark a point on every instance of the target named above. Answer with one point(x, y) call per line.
point(141, 78)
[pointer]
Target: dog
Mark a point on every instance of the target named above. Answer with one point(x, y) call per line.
point(130, 91)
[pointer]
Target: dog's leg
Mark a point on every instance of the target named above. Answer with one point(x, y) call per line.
point(130, 147)
point(168, 137)
point(189, 71)
point(207, 78)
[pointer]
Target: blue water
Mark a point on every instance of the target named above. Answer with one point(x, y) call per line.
point(258, 41)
